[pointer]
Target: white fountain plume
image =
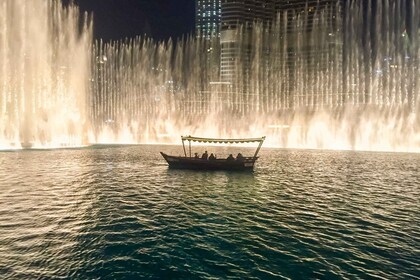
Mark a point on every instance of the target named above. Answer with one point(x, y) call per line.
point(44, 73)
point(343, 77)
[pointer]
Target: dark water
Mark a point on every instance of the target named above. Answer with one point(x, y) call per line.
point(119, 213)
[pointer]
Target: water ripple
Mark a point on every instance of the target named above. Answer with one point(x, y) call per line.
point(121, 213)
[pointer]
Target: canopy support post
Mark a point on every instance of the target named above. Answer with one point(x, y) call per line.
point(183, 146)
point(259, 147)
point(190, 147)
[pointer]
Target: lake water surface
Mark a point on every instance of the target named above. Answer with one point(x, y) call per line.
point(118, 212)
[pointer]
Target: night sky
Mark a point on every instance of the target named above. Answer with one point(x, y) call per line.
point(160, 19)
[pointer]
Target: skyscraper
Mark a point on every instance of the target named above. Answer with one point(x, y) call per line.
point(300, 21)
point(207, 18)
point(238, 17)
point(236, 13)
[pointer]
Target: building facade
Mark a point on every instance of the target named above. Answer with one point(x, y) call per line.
point(304, 39)
point(207, 18)
point(237, 20)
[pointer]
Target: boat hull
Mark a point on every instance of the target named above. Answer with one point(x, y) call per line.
point(176, 162)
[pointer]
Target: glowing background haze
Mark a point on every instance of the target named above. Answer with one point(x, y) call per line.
point(58, 88)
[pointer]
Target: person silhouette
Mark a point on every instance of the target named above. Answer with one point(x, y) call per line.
point(205, 155)
point(239, 156)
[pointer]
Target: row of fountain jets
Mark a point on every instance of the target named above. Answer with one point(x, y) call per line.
point(309, 82)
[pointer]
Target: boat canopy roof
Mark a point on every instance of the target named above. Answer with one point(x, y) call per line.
point(221, 140)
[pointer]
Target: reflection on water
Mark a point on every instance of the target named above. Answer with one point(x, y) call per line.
point(119, 212)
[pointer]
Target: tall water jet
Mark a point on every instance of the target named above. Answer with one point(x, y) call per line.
point(144, 91)
point(352, 76)
point(44, 73)
point(344, 77)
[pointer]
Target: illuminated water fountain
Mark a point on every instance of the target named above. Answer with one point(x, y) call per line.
point(44, 72)
point(307, 82)
point(311, 82)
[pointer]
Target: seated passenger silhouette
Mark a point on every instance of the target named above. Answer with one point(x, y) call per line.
point(205, 155)
point(239, 156)
point(230, 157)
point(196, 155)
point(212, 157)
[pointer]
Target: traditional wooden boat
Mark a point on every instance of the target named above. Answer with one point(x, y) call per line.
point(230, 163)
